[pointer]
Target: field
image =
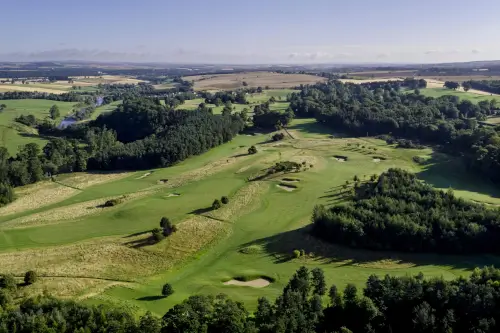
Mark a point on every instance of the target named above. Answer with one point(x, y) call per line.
point(13, 134)
point(253, 99)
point(253, 79)
point(104, 255)
point(471, 96)
point(59, 87)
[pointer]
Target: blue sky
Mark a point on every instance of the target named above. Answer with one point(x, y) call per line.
point(253, 31)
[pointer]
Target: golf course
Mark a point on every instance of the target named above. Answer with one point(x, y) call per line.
point(83, 250)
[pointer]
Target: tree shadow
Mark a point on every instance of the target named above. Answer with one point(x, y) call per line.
point(137, 234)
point(139, 243)
point(280, 247)
point(445, 171)
point(150, 298)
point(201, 211)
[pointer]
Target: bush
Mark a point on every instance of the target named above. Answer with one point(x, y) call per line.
point(278, 136)
point(418, 159)
point(30, 277)
point(112, 202)
point(6, 194)
point(252, 150)
point(167, 290)
point(216, 204)
point(224, 200)
point(296, 253)
point(5, 299)
point(158, 234)
point(8, 282)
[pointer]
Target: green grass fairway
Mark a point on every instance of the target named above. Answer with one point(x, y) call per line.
point(253, 235)
point(12, 134)
point(438, 92)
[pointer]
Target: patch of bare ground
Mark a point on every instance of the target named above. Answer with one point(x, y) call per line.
point(37, 195)
point(71, 212)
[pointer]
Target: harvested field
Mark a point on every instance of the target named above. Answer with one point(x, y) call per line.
point(253, 79)
point(370, 80)
point(27, 87)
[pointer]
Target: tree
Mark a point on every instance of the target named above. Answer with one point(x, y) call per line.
point(451, 85)
point(224, 200)
point(54, 112)
point(167, 290)
point(296, 253)
point(466, 85)
point(30, 277)
point(216, 204)
point(157, 234)
point(318, 281)
point(149, 324)
point(252, 150)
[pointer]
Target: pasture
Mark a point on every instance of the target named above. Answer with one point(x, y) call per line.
point(104, 255)
point(252, 79)
point(13, 134)
point(470, 95)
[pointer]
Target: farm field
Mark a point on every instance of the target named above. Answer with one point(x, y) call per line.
point(13, 134)
point(253, 79)
point(103, 255)
point(254, 99)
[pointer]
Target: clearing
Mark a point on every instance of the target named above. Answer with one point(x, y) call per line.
point(252, 79)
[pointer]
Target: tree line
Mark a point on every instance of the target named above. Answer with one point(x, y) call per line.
point(491, 86)
point(386, 304)
point(446, 121)
point(398, 212)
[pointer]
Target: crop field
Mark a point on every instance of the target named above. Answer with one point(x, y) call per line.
point(13, 134)
point(252, 79)
point(105, 255)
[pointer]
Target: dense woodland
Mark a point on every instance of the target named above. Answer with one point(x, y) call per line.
point(399, 212)
point(491, 86)
point(446, 121)
point(410, 304)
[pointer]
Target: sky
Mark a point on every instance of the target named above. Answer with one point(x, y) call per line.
point(251, 31)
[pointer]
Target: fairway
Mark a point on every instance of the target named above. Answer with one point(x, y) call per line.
point(13, 134)
point(59, 229)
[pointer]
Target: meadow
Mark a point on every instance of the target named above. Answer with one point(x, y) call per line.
point(13, 134)
point(471, 96)
point(104, 255)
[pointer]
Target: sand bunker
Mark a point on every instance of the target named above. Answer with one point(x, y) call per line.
point(339, 159)
point(376, 160)
point(286, 188)
point(144, 175)
point(290, 180)
point(257, 283)
point(173, 195)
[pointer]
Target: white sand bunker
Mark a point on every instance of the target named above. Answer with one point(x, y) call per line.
point(339, 159)
point(376, 160)
point(290, 180)
point(173, 195)
point(257, 283)
point(144, 175)
point(286, 188)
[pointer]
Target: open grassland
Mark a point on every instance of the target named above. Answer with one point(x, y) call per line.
point(105, 255)
point(13, 134)
point(252, 79)
point(470, 95)
point(253, 99)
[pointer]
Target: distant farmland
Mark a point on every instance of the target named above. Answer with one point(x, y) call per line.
point(254, 79)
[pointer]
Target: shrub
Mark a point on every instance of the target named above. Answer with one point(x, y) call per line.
point(158, 234)
point(216, 204)
point(418, 159)
point(302, 253)
point(5, 298)
point(252, 150)
point(296, 253)
point(278, 136)
point(30, 277)
point(224, 200)
point(167, 290)
point(112, 202)
point(8, 282)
